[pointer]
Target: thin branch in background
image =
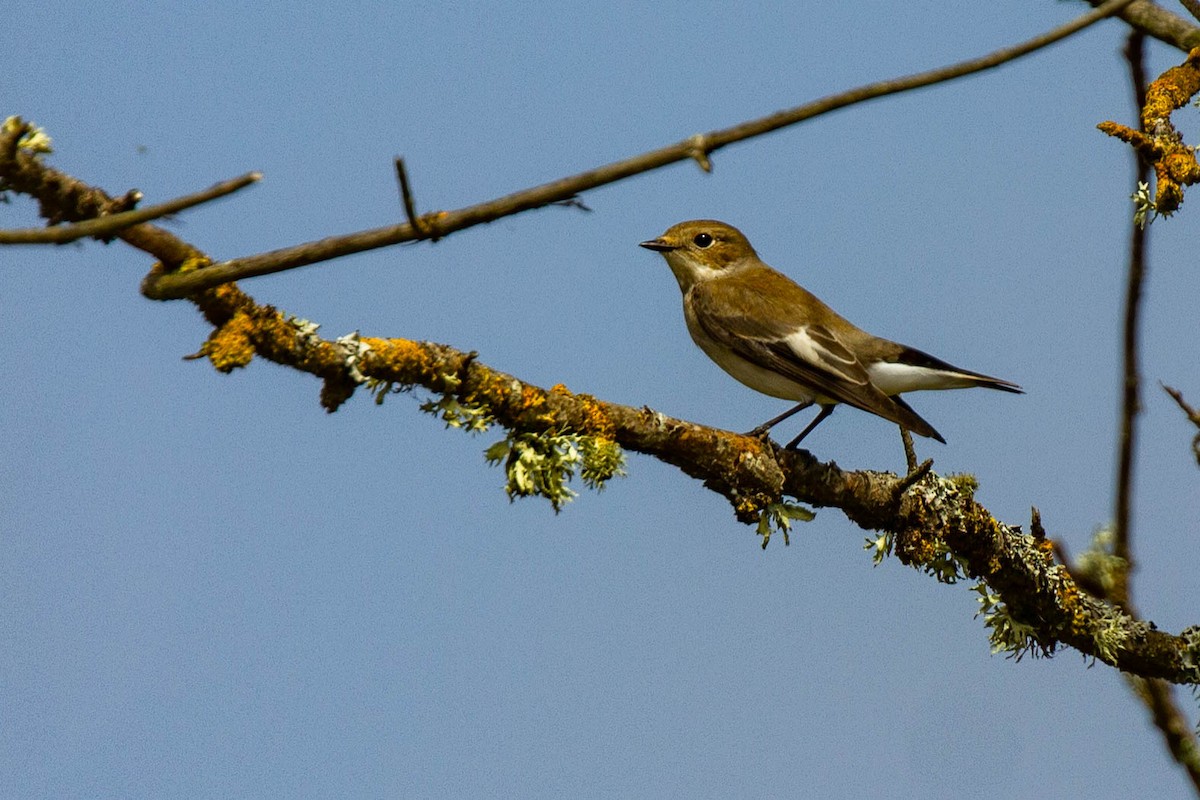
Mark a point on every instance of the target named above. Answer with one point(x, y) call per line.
point(112, 224)
point(1192, 6)
point(1131, 378)
point(1192, 414)
point(1177, 733)
point(1157, 695)
point(164, 285)
point(410, 205)
point(1154, 20)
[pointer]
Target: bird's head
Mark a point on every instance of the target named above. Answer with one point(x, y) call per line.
point(702, 249)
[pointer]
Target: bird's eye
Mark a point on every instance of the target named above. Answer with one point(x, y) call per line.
point(702, 240)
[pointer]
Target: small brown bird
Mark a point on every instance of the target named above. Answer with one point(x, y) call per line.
point(777, 338)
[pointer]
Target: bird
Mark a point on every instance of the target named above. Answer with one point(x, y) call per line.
point(776, 337)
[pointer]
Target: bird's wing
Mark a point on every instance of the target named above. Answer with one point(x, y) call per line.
point(810, 354)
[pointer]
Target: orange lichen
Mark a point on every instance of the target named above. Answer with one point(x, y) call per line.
point(1171, 90)
point(533, 397)
point(399, 358)
point(748, 506)
point(1068, 600)
point(596, 419)
point(1158, 142)
point(229, 346)
point(914, 548)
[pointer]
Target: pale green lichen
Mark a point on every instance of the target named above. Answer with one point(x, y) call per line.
point(33, 140)
point(879, 548)
point(541, 464)
point(936, 501)
point(353, 349)
point(452, 411)
point(1190, 657)
point(1144, 207)
point(1099, 563)
point(1008, 635)
point(778, 516)
point(602, 459)
point(306, 330)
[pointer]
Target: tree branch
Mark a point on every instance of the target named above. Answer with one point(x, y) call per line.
point(1131, 377)
point(63, 198)
point(933, 518)
point(105, 227)
point(1155, 21)
point(1193, 416)
point(930, 522)
point(1156, 694)
point(167, 284)
point(1192, 6)
point(1157, 141)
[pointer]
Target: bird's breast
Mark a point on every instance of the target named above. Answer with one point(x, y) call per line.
point(758, 378)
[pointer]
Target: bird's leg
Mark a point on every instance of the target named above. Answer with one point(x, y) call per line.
point(817, 420)
point(910, 452)
point(763, 429)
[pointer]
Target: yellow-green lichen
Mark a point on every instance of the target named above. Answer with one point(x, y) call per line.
point(541, 464)
point(230, 346)
point(778, 516)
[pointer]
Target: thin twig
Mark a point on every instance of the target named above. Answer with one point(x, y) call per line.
point(1157, 695)
point(1130, 401)
point(1177, 733)
point(1177, 396)
point(915, 474)
point(1192, 414)
point(1192, 6)
point(910, 451)
point(1036, 529)
point(112, 224)
point(1154, 20)
point(169, 285)
point(410, 206)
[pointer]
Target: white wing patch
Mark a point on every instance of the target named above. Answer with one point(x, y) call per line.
point(812, 350)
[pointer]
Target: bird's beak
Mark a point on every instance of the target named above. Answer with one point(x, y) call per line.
point(658, 245)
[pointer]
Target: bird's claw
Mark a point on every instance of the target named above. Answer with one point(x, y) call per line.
point(762, 432)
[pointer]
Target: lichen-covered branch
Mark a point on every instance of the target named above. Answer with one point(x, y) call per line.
point(1028, 599)
point(933, 523)
point(1158, 142)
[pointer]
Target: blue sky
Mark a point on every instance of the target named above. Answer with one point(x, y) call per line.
point(212, 588)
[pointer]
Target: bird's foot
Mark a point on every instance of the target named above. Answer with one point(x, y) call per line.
point(761, 432)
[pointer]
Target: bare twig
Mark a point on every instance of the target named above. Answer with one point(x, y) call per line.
point(910, 452)
point(164, 285)
point(1036, 529)
point(1155, 21)
point(110, 225)
point(1130, 402)
point(915, 473)
point(1156, 694)
point(1177, 733)
point(410, 206)
point(1192, 414)
point(1192, 6)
